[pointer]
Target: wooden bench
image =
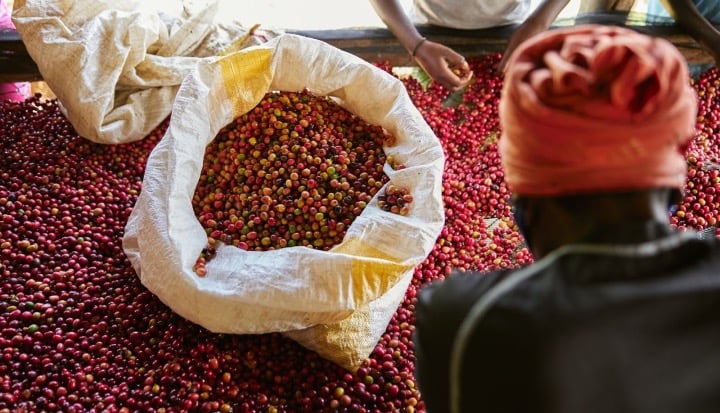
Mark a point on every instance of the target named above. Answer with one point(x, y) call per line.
point(379, 45)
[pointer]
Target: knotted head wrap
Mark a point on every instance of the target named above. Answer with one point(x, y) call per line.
point(595, 108)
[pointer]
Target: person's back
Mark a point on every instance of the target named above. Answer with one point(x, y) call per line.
point(594, 328)
point(620, 311)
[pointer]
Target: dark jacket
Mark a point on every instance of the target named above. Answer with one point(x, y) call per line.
point(593, 328)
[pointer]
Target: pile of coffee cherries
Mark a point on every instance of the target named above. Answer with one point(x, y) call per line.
point(294, 171)
point(79, 332)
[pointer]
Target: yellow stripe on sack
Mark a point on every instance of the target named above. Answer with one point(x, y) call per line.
point(247, 76)
point(382, 269)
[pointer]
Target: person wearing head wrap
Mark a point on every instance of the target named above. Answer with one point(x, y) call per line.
point(619, 312)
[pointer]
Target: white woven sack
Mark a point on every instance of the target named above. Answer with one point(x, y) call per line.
point(294, 288)
point(115, 66)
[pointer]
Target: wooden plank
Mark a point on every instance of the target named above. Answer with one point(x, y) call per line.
point(379, 45)
point(16, 65)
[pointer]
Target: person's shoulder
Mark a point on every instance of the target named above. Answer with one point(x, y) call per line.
point(459, 289)
point(704, 246)
point(714, 242)
point(712, 255)
point(442, 305)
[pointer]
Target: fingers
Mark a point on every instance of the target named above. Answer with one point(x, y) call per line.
point(456, 73)
point(454, 79)
point(444, 65)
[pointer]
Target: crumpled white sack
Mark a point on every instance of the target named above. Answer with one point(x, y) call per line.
point(115, 66)
point(335, 302)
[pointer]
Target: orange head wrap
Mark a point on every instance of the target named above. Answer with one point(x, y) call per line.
point(595, 108)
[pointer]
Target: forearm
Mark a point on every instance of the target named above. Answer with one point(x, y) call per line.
point(394, 17)
point(689, 18)
point(547, 11)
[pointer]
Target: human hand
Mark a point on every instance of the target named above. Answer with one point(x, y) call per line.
point(443, 65)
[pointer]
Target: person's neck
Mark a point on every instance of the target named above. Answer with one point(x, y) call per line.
point(607, 220)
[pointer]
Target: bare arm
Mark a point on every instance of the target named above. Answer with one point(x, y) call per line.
point(394, 17)
point(539, 21)
point(698, 27)
point(440, 62)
